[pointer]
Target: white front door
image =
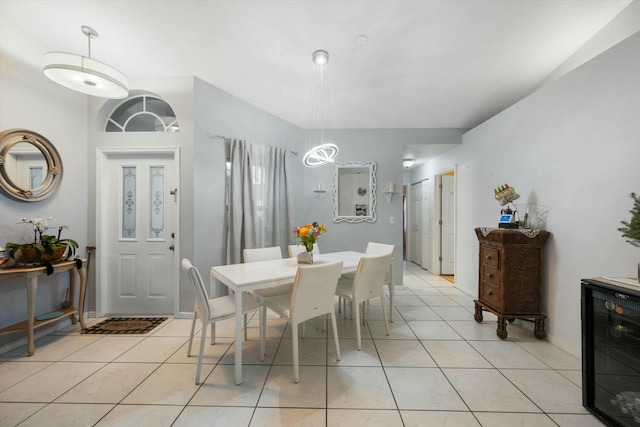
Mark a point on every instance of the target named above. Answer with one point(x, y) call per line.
point(448, 253)
point(138, 222)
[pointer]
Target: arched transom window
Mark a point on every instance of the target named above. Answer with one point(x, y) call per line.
point(143, 114)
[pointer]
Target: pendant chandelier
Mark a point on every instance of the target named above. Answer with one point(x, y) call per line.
point(84, 74)
point(322, 151)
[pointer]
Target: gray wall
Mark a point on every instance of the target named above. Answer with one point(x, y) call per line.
point(219, 113)
point(574, 147)
point(28, 100)
point(385, 148)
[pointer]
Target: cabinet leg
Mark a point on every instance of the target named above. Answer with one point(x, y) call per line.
point(478, 314)
point(538, 330)
point(502, 328)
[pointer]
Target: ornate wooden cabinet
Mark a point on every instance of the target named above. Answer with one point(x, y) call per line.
point(510, 277)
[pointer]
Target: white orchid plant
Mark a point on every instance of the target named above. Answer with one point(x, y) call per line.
point(43, 244)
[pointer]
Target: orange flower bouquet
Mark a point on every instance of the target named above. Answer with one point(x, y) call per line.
point(309, 233)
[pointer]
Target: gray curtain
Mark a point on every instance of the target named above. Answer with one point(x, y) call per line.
point(260, 210)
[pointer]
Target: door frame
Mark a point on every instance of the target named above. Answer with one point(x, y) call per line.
point(437, 200)
point(102, 158)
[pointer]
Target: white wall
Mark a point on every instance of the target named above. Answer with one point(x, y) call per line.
point(573, 146)
point(28, 100)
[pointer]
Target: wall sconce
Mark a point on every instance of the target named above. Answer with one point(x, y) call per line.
point(319, 190)
point(390, 190)
point(407, 163)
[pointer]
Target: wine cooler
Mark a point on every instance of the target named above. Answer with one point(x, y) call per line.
point(611, 351)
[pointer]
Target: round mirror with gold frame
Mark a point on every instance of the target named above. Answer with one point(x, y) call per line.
point(30, 166)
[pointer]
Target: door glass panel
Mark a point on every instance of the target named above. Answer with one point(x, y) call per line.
point(128, 203)
point(156, 228)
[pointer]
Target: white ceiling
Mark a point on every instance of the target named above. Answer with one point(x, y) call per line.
point(427, 63)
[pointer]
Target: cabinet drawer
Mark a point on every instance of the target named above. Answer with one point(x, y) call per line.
point(490, 275)
point(489, 293)
point(489, 256)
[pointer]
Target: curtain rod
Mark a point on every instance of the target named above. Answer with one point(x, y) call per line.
point(226, 138)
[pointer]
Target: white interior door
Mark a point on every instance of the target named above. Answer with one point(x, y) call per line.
point(416, 227)
point(138, 221)
point(426, 228)
point(448, 252)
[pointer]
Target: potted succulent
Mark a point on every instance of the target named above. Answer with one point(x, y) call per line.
point(631, 229)
point(44, 247)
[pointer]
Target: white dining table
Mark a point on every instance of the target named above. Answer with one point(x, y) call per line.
point(261, 274)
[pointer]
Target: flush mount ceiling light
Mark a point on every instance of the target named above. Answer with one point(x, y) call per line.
point(320, 57)
point(84, 74)
point(407, 163)
point(322, 152)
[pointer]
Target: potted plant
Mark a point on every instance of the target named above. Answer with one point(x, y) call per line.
point(631, 229)
point(44, 247)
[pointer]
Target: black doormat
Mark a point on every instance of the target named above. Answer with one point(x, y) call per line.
point(125, 325)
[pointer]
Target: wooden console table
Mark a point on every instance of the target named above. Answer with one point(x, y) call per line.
point(510, 277)
point(31, 277)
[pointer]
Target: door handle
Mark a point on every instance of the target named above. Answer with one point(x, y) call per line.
point(172, 248)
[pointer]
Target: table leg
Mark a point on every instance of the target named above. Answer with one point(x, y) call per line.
point(83, 291)
point(391, 293)
point(72, 292)
point(32, 286)
point(239, 318)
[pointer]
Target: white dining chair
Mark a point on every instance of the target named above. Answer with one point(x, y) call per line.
point(261, 254)
point(373, 248)
point(211, 310)
point(367, 283)
point(312, 296)
point(294, 250)
point(265, 254)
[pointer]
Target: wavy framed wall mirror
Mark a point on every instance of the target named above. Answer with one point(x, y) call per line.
point(354, 192)
point(30, 166)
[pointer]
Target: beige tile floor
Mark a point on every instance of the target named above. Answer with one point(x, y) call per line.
point(438, 367)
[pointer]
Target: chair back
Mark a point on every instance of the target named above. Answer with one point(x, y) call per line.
point(202, 297)
point(314, 290)
point(370, 276)
point(380, 248)
point(294, 250)
point(261, 254)
point(374, 248)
